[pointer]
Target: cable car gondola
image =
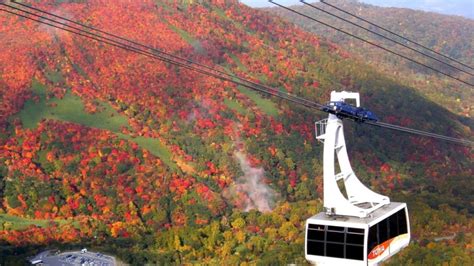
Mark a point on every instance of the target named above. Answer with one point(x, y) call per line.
point(335, 240)
point(361, 227)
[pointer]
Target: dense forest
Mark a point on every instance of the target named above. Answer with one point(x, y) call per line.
point(113, 151)
point(449, 35)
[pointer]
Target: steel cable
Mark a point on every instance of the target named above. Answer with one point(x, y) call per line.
point(396, 34)
point(385, 37)
point(219, 75)
point(372, 43)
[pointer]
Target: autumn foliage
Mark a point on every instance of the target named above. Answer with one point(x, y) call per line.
point(79, 182)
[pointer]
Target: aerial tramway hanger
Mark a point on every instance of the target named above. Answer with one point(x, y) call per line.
point(361, 228)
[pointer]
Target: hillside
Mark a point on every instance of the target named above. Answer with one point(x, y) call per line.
point(450, 35)
point(117, 152)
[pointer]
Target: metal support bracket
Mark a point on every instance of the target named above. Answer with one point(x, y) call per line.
point(361, 200)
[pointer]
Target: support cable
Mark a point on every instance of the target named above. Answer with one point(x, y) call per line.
point(396, 34)
point(230, 78)
point(155, 50)
point(372, 43)
point(385, 37)
point(189, 64)
point(421, 133)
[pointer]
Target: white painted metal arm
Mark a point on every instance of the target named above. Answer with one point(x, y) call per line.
point(360, 201)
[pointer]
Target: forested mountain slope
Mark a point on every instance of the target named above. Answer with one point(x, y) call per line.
point(449, 35)
point(117, 152)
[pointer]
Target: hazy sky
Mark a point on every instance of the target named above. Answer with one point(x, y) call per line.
point(455, 7)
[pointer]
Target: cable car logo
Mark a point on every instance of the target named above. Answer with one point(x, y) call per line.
point(395, 242)
point(379, 250)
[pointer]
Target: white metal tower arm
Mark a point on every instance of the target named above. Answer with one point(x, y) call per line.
point(360, 201)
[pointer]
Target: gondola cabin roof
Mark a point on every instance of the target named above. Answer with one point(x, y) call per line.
point(356, 222)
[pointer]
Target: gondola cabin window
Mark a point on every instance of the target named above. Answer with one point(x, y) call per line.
point(382, 233)
point(335, 241)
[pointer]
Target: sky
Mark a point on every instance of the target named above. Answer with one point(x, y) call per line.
point(451, 7)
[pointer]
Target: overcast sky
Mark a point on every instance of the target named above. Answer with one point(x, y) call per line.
point(454, 7)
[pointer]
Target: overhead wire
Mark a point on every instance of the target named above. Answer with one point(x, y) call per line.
point(154, 49)
point(287, 97)
point(385, 37)
point(224, 76)
point(421, 133)
point(219, 75)
point(118, 37)
point(396, 34)
point(373, 44)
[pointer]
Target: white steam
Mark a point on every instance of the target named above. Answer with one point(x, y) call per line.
point(250, 192)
